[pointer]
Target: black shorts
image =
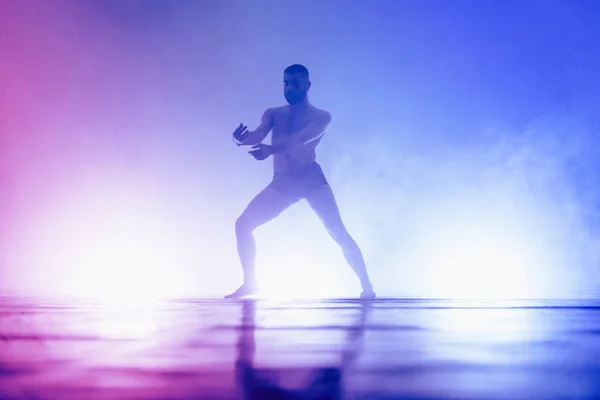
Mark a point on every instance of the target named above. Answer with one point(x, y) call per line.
point(299, 182)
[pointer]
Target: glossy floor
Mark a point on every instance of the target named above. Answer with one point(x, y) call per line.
point(335, 349)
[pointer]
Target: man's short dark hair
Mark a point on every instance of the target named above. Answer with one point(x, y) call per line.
point(296, 69)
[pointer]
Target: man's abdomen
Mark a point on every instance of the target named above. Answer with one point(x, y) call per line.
point(292, 160)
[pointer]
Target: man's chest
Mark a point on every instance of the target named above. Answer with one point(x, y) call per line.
point(289, 124)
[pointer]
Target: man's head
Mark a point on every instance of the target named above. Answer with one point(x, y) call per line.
point(296, 83)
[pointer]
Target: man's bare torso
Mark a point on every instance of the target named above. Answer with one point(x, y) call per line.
point(286, 123)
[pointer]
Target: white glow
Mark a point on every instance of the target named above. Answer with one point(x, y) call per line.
point(478, 255)
point(128, 258)
point(106, 242)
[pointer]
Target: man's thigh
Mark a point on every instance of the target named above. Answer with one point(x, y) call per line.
point(266, 205)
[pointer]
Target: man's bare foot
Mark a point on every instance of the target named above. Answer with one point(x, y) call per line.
point(242, 291)
point(368, 294)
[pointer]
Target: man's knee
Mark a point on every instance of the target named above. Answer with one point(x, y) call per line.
point(339, 233)
point(244, 225)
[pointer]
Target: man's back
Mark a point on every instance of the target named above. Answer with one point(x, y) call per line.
point(288, 121)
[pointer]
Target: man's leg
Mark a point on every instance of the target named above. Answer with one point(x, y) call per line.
point(323, 202)
point(268, 204)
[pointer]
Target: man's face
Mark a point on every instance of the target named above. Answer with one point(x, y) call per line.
point(295, 87)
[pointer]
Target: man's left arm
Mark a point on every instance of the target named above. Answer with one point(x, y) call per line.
point(313, 131)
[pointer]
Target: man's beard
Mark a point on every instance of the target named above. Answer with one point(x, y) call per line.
point(295, 98)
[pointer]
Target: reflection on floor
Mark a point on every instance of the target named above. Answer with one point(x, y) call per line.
point(328, 349)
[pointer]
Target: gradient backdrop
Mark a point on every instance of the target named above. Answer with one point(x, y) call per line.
point(464, 148)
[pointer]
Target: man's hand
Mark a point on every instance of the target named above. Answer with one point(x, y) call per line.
point(243, 137)
point(261, 151)
point(241, 134)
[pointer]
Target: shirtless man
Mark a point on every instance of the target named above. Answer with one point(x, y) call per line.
point(297, 130)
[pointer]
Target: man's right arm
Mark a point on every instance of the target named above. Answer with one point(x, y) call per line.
point(259, 134)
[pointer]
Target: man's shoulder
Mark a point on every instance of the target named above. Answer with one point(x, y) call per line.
point(322, 114)
point(283, 111)
point(275, 113)
point(276, 110)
